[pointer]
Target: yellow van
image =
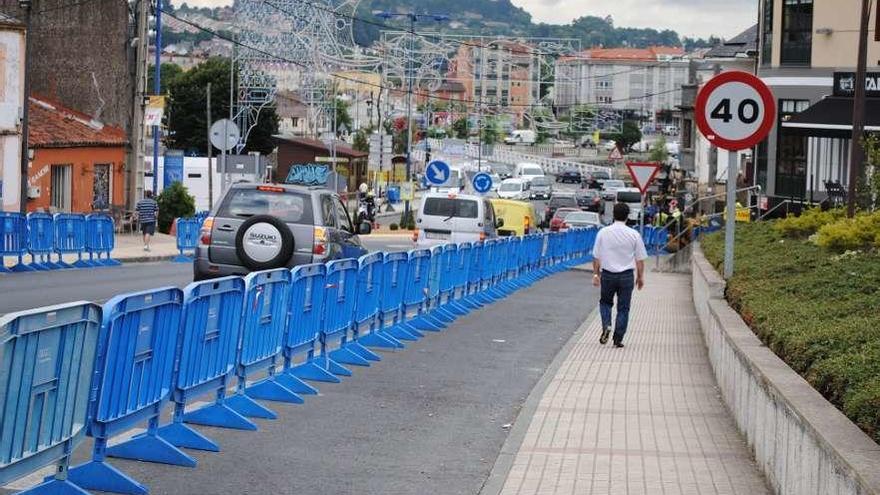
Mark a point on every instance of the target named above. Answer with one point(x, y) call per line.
point(519, 217)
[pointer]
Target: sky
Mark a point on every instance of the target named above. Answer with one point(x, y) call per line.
point(695, 18)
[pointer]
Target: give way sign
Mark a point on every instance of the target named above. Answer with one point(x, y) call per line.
point(735, 110)
point(643, 173)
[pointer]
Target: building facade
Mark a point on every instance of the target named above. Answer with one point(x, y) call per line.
point(804, 44)
point(12, 40)
point(644, 82)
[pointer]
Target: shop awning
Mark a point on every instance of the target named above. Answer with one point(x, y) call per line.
point(832, 117)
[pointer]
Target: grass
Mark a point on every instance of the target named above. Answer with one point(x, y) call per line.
point(816, 309)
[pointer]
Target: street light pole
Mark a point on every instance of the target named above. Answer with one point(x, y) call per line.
point(157, 90)
point(857, 151)
point(25, 117)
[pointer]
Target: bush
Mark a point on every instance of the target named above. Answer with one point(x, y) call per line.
point(809, 222)
point(174, 202)
point(861, 232)
point(407, 220)
point(394, 226)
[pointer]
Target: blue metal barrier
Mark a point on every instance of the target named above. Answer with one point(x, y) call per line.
point(100, 240)
point(13, 241)
point(206, 357)
point(41, 240)
point(418, 278)
point(263, 327)
point(304, 329)
point(133, 375)
point(461, 268)
point(661, 238)
point(340, 295)
point(70, 238)
point(395, 268)
point(369, 295)
point(448, 262)
point(475, 277)
point(188, 231)
point(47, 357)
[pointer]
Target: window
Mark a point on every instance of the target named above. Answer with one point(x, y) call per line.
point(450, 207)
point(603, 100)
point(767, 33)
point(101, 187)
point(603, 84)
point(797, 32)
point(328, 211)
point(342, 218)
point(288, 207)
point(194, 176)
point(60, 195)
point(791, 158)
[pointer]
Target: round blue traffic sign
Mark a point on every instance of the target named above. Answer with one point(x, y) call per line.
point(437, 173)
point(482, 182)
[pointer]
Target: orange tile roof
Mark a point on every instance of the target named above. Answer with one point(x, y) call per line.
point(55, 126)
point(636, 54)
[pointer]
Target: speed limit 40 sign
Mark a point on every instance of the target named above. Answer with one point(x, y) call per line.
point(735, 110)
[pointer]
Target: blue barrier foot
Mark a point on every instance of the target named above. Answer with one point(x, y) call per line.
point(311, 371)
point(112, 262)
point(269, 389)
point(401, 333)
point(249, 408)
point(454, 308)
point(336, 368)
point(420, 323)
point(380, 340)
point(181, 435)
point(150, 448)
point(62, 265)
point(98, 475)
point(181, 258)
point(442, 315)
point(345, 355)
point(484, 298)
point(22, 268)
point(431, 317)
point(221, 416)
point(82, 264)
point(54, 486)
point(294, 384)
point(40, 267)
point(3, 269)
point(458, 305)
point(362, 351)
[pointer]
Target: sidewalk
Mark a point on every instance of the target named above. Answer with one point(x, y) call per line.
point(646, 419)
point(129, 249)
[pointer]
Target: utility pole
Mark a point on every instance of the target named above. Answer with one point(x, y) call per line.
point(210, 149)
point(136, 158)
point(25, 124)
point(157, 90)
point(857, 152)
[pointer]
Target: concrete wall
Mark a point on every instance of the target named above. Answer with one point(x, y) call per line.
point(801, 442)
point(11, 103)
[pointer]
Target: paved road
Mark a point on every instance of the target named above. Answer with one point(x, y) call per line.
point(21, 291)
point(430, 419)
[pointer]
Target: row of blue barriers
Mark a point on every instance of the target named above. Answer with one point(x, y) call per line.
point(42, 235)
point(655, 239)
point(80, 369)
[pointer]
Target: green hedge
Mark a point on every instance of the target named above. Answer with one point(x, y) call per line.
point(816, 309)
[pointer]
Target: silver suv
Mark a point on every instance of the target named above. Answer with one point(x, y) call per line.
point(263, 226)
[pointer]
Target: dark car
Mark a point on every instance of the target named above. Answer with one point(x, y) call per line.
point(557, 201)
point(264, 226)
point(572, 176)
point(594, 180)
point(589, 200)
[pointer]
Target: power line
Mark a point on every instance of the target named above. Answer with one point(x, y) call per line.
point(389, 88)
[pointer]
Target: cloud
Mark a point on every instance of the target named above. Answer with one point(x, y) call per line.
point(702, 18)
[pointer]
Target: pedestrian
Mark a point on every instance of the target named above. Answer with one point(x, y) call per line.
point(619, 251)
point(147, 212)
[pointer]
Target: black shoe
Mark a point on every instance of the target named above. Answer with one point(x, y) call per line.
point(606, 332)
point(618, 344)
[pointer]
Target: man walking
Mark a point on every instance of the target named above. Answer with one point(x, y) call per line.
point(147, 211)
point(619, 250)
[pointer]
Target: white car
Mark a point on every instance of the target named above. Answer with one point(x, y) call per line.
point(610, 188)
point(514, 189)
point(581, 220)
point(633, 198)
point(528, 171)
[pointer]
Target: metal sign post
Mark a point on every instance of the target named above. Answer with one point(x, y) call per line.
point(735, 111)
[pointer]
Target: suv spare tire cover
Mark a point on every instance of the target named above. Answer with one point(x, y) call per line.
point(263, 242)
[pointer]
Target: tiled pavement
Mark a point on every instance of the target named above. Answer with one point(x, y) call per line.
point(645, 419)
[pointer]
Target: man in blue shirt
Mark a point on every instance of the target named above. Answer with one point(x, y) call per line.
point(147, 212)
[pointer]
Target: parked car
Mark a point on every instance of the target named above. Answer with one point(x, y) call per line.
point(594, 180)
point(540, 188)
point(262, 226)
point(610, 187)
point(573, 176)
point(589, 200)
point(514, 189)
point(557, 222)
point(557, 201)
point(519, 217)
point(447, 218)
point(580, 219)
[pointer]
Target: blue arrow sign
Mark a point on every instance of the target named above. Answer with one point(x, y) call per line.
point(482, 182)
point(437, 173)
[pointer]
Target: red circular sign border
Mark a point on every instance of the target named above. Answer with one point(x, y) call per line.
point(766, 97)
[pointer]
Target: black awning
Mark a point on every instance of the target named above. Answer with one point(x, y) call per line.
point(832, 117)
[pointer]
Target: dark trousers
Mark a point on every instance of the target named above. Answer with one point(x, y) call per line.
point(619, 284)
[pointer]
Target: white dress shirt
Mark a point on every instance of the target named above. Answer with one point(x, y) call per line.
point(618, 247)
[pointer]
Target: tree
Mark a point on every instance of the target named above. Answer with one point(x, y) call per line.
point(629, 135)
point(659, 153)
point(343, 118)
point(174, 202)
point(491, 132)
point(361, 142)
point(187, 122)
point(460, 128)
point(170, 73)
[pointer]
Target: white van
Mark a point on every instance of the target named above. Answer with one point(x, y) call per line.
point(522, 136)
point(514, 189)
point(528, 171)
point(455, 184)
point(633, 198)
point(449, 218)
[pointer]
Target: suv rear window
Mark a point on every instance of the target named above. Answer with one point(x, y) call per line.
point(562, 201)
point(289, 207)
point(629, 197)
point(451, 207)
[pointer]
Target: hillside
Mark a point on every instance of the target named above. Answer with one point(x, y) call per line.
point(497, 17)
